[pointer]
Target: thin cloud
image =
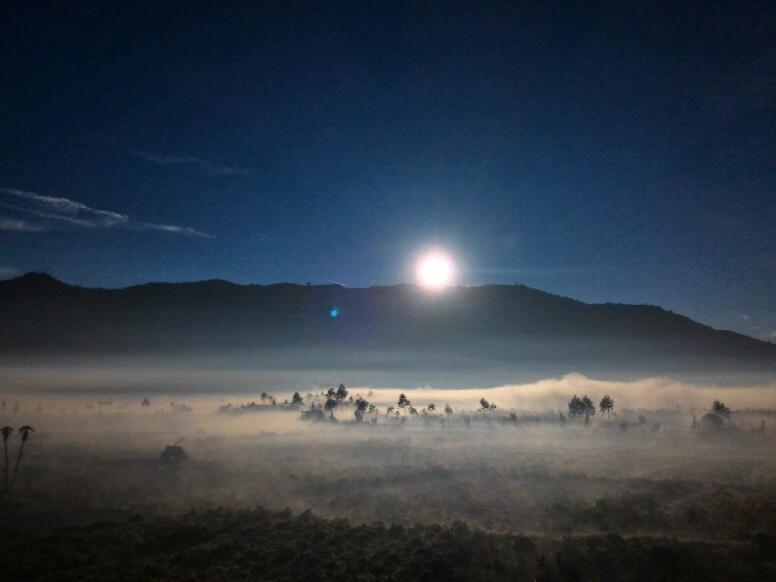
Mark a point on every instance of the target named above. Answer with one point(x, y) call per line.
point(15, 225)
point(61, 209)
point(174, 229)
point(209, 167)
point(52, 210)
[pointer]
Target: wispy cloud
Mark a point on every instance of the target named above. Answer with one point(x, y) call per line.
point(16, 225)
point(53, 210)
point(59, 209)
point(173, 229)
point(209, 167)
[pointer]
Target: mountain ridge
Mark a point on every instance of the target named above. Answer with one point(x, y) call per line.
point(510, 323)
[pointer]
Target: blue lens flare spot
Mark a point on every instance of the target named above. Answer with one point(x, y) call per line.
point(334, 313)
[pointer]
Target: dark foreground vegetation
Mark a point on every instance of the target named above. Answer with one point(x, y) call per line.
point(264, 545)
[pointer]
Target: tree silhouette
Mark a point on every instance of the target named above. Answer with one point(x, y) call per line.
point(721, 409)
point(297, 399)
point(330, 404)
point(361, 408)
point(404, 401)
point(589, 407)
point(448, 410)
point(606, 405)
point(7, 431)
point(342, 392)
point(24, 432)
point(581, 407)
point(576, 406)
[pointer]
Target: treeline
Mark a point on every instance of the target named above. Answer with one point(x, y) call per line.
point(323, 406)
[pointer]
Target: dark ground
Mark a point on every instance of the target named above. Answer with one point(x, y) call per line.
point(263, 545)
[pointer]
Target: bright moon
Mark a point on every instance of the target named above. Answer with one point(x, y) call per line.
point(435, 271)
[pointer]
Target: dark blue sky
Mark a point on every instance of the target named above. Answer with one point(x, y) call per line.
point(608, 153)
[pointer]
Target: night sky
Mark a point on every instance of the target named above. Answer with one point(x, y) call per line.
point(609, 153)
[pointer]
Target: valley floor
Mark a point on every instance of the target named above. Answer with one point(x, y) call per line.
point(267, 496)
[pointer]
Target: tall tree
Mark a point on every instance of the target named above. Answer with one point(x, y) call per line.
point(24, 432)
point(342, 392)
point(606, 405)
point(588, 406)
point(330, 404)
point(361, 408)
point(576, 407)
point(7, 431)
point(720, 408)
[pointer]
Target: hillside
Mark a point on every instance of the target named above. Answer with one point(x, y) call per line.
point(514, 324)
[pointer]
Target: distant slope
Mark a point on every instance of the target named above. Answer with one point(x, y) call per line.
point(515, 324)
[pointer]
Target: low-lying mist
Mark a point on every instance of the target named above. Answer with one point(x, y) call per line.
point(63, 385)
point(525, 463)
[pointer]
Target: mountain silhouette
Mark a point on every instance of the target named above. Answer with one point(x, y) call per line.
point(511, 324)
